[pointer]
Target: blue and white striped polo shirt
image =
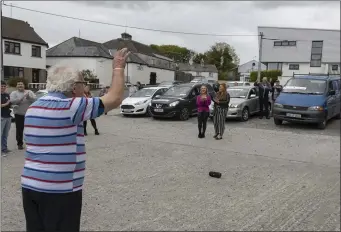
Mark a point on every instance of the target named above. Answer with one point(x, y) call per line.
point(55, 147)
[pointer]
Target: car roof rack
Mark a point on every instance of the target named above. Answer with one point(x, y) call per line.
point(315, 74)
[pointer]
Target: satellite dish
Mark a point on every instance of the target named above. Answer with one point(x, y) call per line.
point(253, 64)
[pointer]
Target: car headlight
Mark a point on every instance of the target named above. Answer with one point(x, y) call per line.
point(174, 103)
point(234, 106)
point(316, 108)
point(278, 105)
point(141, 102)
point(150, 104)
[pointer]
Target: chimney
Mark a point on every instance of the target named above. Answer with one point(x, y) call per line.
point(126, 36)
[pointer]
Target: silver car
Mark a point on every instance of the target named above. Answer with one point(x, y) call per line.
point(244, 102)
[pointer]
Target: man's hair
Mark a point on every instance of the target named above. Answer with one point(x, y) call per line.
point(3, 83)
point(61, 78)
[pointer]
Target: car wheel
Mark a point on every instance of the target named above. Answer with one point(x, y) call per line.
point(184, 114)
point(148, 112)
point(278, 121)
point(245, 114)
point(322, 125)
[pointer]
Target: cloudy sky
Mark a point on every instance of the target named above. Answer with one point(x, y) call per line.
point(227, 18)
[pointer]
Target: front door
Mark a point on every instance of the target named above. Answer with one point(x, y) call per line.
point(35, 75)
point(152, 80)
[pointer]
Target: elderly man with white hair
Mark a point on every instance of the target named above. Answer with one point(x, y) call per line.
point(53, 174)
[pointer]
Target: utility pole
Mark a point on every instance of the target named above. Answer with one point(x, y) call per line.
point(260, 55)
point(1, 49)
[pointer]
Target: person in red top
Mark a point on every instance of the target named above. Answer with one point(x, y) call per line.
point(203, 103)
point(87, 94)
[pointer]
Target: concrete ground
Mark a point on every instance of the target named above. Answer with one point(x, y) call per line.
point(144, 174)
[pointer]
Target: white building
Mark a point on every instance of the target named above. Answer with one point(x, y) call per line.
point(144, 64)
point(245, 69)
point(83, 55)
point(301, 50)
point(204, 70)
point(24, 51)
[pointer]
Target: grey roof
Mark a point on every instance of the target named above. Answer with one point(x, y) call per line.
point(78, 47)
point(132, 46)
point(197, 67)
point(20, 30)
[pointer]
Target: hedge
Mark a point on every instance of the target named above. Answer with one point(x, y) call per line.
point(274, 74)
point(12, 82)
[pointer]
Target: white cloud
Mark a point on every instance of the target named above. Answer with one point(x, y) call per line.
point(191, 16)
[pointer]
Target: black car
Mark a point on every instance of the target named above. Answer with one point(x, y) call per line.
point(178, 101)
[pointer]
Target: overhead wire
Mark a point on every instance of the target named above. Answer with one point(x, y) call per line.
point(159, 30)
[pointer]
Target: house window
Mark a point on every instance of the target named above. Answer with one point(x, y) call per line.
point(36, 51)
point(316, 54)
point(294, 67)
point(335, 67)
point(12, 48)
point(210, 74)
point(10, 71)
point(285, 43)
point(274, 66)
point(140, 67)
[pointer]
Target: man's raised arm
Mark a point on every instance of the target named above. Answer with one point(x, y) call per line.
point(114, 97)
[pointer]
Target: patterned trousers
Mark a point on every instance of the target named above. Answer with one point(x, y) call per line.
point(219, 119)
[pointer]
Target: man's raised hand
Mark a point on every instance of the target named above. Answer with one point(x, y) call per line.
point(120, 58)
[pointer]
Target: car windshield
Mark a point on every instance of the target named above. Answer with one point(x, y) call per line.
point(144, 93)
point(305, 86)
point(178, 91)
point(238, 93)
point(40, 94)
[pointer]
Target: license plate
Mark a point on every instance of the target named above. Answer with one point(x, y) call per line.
point(128, 111)
point(158, 110)
point(294, 115)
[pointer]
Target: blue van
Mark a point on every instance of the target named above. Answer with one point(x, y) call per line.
point(308, 99)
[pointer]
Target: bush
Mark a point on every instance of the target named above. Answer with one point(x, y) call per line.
point(12, 82)
point(274, 74)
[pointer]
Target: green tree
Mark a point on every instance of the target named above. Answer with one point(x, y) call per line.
point(88, 74)
point(177, 53)
point(198, 57)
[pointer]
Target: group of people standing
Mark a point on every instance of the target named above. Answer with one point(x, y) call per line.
point(20, 100)
point(265, 89)
point(221, 102)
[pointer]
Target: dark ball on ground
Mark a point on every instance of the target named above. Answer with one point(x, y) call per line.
point(215, 174)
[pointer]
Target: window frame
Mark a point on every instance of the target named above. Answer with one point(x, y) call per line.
point(294, 67)
point(8, 47)
point(36, 49)
point(335, 65)
point(316, 45)
point(285, 43)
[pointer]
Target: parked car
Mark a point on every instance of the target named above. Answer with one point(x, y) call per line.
point(170, 83)
point(178, 101)
point(41, 93)
point(237, 83)
point(138, 102)
point(244, 102)
point(308, 99)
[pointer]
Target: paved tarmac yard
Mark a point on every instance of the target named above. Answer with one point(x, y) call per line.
point(144, 174)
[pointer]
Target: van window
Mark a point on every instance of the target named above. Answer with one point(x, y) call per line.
point(307, 86)
point(247, 84)
point(336, 85)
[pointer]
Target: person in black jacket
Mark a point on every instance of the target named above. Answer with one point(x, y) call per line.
point(264, 91)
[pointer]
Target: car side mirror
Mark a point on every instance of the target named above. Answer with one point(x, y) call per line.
point(156, 96)
point(253, 96)
point(332, 92)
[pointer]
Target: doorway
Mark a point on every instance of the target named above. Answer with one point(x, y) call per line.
point(35, 75)
point(152, 80)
